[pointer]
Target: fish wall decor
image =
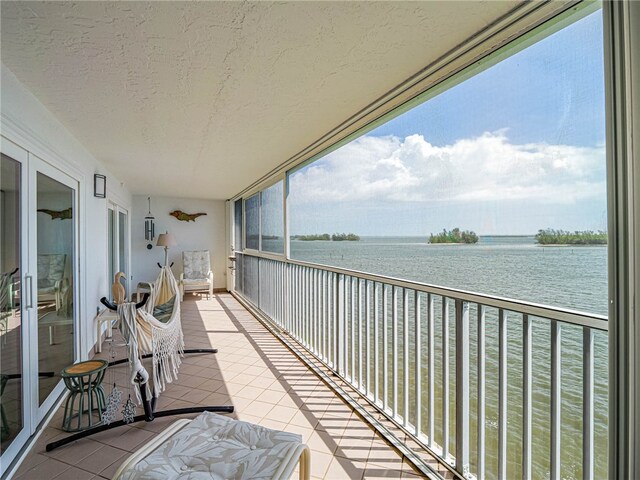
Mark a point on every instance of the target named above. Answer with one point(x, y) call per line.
point(186, 217)
point(61, 214)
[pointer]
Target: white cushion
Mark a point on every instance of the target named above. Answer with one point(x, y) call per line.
point(196, 264)
point(217, 447)
point(196, 281)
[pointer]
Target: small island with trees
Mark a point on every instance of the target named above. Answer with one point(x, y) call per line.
point(336, 237)
point(454, 236)
point(550, 236)
point(314, 237)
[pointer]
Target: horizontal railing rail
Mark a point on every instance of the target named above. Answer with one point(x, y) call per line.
point(405, 346)
point(566, 315)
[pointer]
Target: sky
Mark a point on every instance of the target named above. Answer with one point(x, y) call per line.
point(516, 148)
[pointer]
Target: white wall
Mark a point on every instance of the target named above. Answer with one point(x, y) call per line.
point(206, 233)
point(26, 122)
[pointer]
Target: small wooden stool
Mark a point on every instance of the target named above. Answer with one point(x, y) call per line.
point(84, 381)
point(213, 446)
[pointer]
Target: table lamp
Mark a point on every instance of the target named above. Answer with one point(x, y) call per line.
point(166, 240)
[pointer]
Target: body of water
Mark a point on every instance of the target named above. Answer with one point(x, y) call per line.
point(572, 277)
point(515, 267)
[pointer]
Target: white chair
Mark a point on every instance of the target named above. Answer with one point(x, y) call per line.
point(51, 282)
point(197, 275)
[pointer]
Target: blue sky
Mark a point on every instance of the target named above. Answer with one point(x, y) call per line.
point(550, 92)
point(516, 148)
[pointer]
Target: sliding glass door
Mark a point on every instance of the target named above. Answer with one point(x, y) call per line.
point(52, 266)
point(38, 292)
point(13, 388)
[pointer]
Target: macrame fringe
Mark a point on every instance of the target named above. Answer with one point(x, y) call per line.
point(166, 342)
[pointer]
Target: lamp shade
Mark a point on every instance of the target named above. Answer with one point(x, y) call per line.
point(166, 240)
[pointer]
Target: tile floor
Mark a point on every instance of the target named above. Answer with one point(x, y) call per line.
point(254, 372)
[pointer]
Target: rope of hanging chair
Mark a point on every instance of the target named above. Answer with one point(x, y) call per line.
point(164, 340)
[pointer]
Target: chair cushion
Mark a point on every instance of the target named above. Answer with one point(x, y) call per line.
point(50, 268)
point(217, 447)
point(196, 264)
point(200, 282)
point(163, 312)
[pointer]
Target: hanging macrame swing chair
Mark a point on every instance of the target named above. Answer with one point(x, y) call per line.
point(151, 329)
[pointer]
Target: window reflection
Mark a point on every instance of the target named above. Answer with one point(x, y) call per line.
point(55, 244)
point(10, 315)
point(271, 219)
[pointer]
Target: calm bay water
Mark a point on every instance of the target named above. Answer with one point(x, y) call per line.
point(512, 267)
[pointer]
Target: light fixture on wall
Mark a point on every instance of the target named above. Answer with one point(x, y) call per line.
point(149, 227)
point(99, 186)
point(166, 240)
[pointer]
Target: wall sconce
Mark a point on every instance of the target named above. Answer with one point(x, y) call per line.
point(99, 186)
point(149, 227)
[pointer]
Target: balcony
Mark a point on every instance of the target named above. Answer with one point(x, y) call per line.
point(328, 361)
point(216, 109)
point(266, 383)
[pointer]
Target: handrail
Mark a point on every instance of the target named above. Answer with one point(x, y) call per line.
point(565, 315)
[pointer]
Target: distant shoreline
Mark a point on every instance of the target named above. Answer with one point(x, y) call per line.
point(571, 245)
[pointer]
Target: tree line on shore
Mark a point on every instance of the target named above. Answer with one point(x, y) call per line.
point(550, 236)
point(454, 236)
point(336, 237)
point(547, 236)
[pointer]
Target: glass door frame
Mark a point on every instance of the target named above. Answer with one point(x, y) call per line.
point(29, 423)
point(115, 241)
point(37, 165)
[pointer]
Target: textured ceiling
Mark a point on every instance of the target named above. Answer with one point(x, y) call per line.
point(200, 99)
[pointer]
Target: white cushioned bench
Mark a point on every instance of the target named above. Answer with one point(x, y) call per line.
point(212, 446)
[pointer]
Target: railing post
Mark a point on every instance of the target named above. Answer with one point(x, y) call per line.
point(502, 394)
point(418, 364)
point(587, 404)
point(385, 349)
point(556, 397)
point(431, 359)
point(360, 314)
point(376, 340)
point(481, 391)
point(445, 378)
point(405, 357)
point(288, 297)
point(394, 352)
point(352, 323)
point(367, 328)
point(339, 330)
point(462, 388)
point(259, 286)
point(527, 381)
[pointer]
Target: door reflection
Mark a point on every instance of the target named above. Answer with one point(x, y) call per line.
point(55, 257)
point(11, 422)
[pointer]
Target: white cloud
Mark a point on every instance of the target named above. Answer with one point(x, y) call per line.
point(484, 168)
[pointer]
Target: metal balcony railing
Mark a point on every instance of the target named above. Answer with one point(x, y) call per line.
point(405, 346)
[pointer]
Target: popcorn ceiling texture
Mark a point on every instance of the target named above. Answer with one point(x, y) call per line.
point(200, 99)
